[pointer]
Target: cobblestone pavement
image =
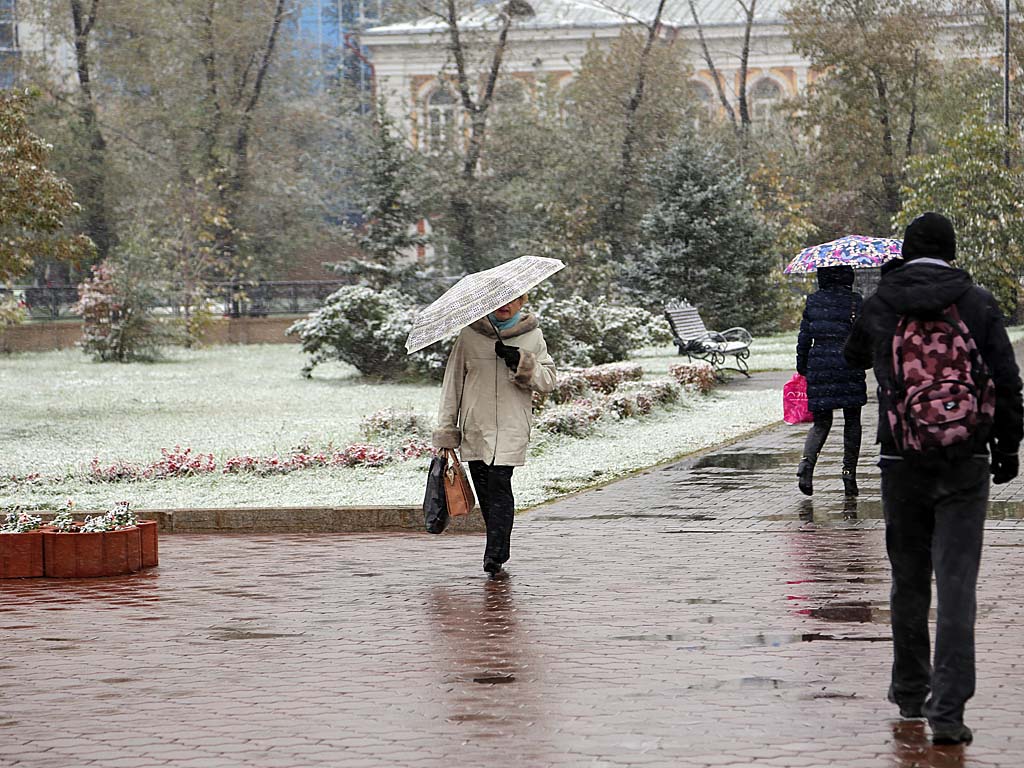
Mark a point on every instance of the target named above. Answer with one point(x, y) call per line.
point(700, 614)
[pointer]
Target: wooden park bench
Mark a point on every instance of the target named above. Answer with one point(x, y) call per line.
point(696, 342)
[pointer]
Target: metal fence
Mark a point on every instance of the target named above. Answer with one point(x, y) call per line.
point(260, 299)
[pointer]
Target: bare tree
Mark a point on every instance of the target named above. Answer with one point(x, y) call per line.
point(740, 122)
point(476, 105)
point(628, 171)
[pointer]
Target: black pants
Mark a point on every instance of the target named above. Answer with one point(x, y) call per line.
point(851, 437)
point(934, 520)
point(493, 485)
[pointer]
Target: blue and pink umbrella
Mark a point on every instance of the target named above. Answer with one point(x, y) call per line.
point(857, 251)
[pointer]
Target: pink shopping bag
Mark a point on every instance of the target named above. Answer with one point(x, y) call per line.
point(794, 401)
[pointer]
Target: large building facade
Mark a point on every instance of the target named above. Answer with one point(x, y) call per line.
point(550, 43)
point(412, 60)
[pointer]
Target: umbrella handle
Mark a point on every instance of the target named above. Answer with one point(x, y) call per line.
point(494, 326)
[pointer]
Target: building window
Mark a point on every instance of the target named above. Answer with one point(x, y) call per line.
point(706, 108)
point(765, 98)
point(8, 44)
point(357, 15)
point(441, 114)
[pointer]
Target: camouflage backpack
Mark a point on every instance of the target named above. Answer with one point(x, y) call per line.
point(943, 397)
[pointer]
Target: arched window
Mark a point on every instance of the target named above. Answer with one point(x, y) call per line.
point(440, 120)
point(765, 96)
point(704, 99)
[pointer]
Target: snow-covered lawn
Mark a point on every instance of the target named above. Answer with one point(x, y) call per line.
point(60, 410)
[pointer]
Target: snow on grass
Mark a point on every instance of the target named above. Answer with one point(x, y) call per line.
point(61, 410)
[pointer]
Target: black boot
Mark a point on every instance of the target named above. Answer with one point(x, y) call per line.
point(805, 476)
point(850, 482)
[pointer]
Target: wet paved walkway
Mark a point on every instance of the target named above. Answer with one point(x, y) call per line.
point(701, 614)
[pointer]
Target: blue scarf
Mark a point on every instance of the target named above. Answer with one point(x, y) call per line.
point(504, 325)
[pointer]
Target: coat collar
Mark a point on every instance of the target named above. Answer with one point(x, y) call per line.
point(526, 324)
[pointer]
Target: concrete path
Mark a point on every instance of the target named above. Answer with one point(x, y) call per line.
point(701, 614)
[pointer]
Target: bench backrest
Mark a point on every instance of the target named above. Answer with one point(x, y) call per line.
point(684, 319)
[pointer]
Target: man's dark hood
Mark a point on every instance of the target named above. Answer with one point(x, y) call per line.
point(923, 289)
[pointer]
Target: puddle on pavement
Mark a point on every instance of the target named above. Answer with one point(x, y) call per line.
point(856, 611)
point(747, 460)
point(696, 601)
point(762, 640)
point(744, 684)
point(240, 634)
point(871, 509)
point(473, 718)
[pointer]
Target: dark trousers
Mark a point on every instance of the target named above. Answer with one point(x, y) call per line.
point(934, 521)
point(493, 485)
point(851, 436)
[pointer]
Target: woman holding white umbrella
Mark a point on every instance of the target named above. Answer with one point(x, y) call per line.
point(499, 360)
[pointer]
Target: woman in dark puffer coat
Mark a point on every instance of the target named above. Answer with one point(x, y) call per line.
point(831, 383)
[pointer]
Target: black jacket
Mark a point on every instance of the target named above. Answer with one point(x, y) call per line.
point(921, 289)
point(827, 319)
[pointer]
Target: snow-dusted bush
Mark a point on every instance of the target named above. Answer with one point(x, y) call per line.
point(367, 329)
point(584, 333)
point(607, 378)
point(661, 391)
point(625, 405)
point(172, 463)
point(357, 454)
point(394, 424)
point(19, 521)
point(697, 376)
point(121, 516)
point(576, 419)
point(116, 322)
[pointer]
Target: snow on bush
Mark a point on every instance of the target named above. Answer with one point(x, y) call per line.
point(172, 463)
point(697, 376)
point(394, 424)
point(575, 419)
point(607, 378)
point(582, 333)
point(19, 521)
point(367, 329)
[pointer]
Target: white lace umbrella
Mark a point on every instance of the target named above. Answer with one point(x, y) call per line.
point(476, 296)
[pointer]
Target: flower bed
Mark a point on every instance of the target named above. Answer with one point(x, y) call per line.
point(104, 545)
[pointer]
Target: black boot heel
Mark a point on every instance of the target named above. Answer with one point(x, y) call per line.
point(805, 476)
point(850, 483)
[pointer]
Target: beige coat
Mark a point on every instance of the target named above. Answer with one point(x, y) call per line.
point(486, 409)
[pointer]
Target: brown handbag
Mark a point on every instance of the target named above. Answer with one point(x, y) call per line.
point(458, 493)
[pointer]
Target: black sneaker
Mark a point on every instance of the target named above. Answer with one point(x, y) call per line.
point(954, 734)
point(492, 567)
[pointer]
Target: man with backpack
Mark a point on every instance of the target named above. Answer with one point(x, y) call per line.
point(948, 390)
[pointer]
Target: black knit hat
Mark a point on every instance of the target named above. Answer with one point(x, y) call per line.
point(831, 277)
point(930, 235)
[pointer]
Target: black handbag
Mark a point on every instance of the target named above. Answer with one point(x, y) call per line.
point(435, 508)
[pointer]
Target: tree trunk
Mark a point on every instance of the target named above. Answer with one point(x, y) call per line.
point(890, 181)
point(617, 224)
point(93, 187)
point(462, 202)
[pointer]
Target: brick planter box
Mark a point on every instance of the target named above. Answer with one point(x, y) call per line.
point(21, 555)
point(150, 549)
point(47, 552)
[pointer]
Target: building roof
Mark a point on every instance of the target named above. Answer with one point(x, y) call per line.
point(553, 14)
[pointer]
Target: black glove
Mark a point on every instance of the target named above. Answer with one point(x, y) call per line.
point(1005, 467)
point(509, 354)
